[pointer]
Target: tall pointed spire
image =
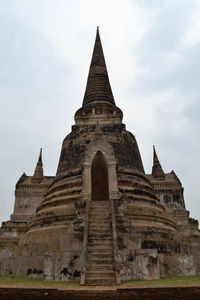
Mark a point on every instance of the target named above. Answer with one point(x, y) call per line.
point(98, 87)
point(157, 171)
point(38, 174)
point(40, 157)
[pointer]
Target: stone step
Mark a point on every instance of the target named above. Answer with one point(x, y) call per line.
point(98, 267)
point(106, 213)
point(100, 212)
point(102, 231)
point(99, 255)
point(100, 206)
point(99, 235)
point(100, 228)
point(100, 281)
point(105, 209)
point(100, 209)
point(99, 246)
point(99, 240)
point(100, 215)
point(105, 251)
point(100, 261)
point(100, 222)
point(97, 220)
point(106, 234)
point(100, 274)
point(99, 202)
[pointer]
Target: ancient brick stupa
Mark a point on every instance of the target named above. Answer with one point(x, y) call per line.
point(100, 219)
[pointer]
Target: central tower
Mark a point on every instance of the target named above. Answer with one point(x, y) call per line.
point(102, 218)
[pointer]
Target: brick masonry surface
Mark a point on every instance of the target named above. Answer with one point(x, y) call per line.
point(163, 293)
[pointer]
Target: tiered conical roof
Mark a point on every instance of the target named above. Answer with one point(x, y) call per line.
point(98, 87)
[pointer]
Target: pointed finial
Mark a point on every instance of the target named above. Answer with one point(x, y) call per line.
point(155, 157)
point(97, 35)
point(40, 156)
point(98, 87)
point(38, 174)
point(157, 171)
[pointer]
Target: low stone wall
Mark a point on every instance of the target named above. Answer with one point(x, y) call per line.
point(160, 293)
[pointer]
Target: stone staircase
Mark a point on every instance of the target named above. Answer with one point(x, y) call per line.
point(100, 258)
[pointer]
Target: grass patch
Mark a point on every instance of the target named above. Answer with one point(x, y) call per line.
point(19, 281)
point(172, 281)
point(12, 281)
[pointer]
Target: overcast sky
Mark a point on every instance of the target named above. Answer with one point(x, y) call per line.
point(152, 51)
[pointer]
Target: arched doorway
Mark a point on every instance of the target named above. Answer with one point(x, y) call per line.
point(99, 177)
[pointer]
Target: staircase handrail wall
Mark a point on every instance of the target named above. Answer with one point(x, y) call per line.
point(115, 247)
point(85, 240)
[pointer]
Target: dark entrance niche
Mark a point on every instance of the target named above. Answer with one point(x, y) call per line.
point(99, 175)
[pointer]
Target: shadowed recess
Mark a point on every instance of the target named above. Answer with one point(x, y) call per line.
point(99, 172)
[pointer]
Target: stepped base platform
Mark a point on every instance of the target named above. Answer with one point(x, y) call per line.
point(144, 293)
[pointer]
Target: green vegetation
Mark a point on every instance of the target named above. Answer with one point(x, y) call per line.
point(167, 281)
point(19, 281)
point(12, 281)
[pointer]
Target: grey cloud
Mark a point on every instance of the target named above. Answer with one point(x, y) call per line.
point(183, 73)
point(171, 71)
point(164, 33)
point(32, 91)
point(154, 5)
